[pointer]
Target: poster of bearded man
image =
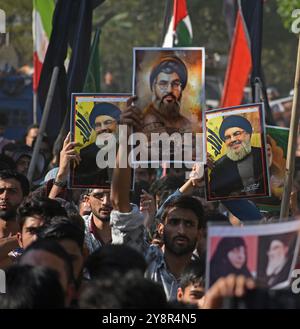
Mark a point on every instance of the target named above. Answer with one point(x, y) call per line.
point(169, 85)
point(95, 129)
point(235, 141)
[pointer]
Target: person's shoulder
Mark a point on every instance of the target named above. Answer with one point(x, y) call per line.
point(154, 254)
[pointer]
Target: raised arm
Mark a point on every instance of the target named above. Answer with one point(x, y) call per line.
point(127, 222)
point(67, 155)
point(195, 179)
point(121, 181)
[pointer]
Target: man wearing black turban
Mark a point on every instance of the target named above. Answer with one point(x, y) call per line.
point(103, 119)
point(239, 171)
point(167, 81)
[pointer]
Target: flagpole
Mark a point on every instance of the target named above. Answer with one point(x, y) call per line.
point(43, 124)
point(292, 143)
point(34, 114)
point(34, 105)
point(166, 20)
point(257, 90)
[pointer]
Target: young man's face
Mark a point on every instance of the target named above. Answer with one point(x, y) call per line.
point(27, 235)
point(99, 200)
point(11, 196)
point(22, 165)
point(31, 136)
point(191, 294)
point(180, 231)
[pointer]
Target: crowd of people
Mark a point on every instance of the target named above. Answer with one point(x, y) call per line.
point(112, 248)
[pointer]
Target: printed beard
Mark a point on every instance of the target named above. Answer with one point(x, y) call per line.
point(169, 110)
point(240, 154)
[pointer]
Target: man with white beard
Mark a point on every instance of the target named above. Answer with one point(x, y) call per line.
point(279, 252)
point(277, 258)
point(104, 120)
point(239, 171)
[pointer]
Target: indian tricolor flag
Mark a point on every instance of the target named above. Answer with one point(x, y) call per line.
point(41, 29)
point(179, 32)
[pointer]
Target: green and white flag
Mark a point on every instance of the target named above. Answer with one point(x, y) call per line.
point(179, 32)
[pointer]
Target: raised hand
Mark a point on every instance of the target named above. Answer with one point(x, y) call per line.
point(197, 174)
point(132, 116)
point(67, 155)
point(230, 286)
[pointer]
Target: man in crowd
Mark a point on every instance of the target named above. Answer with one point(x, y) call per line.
point(49, 253)
point(181, 226)
point(32, 287)
point(70, 236)
point(192, 284)
point(97, 225)
point(13, 188)
point(33, 213)
point(31, 134)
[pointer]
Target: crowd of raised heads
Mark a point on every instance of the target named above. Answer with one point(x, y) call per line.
point(117, 247)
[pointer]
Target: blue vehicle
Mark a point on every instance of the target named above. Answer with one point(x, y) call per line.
point(16, 101)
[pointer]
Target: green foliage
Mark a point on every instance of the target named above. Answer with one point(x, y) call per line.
point(279, 50)
point(19, 26)
point(127, 24)
point(285, 9)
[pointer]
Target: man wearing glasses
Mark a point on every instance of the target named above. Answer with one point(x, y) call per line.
point(104, 120)
point(97, 227)
point(167, 82)
point(239, 171)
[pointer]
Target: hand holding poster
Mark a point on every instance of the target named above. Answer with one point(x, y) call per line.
point(266, 253)
point(94, 126)
point(236, 145)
